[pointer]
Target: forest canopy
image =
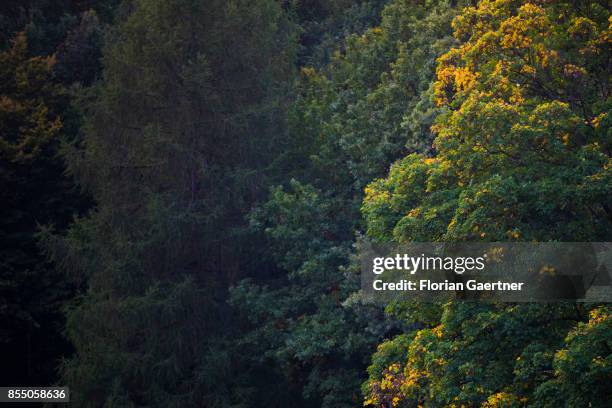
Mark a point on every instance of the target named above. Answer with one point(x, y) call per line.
point(186, 185)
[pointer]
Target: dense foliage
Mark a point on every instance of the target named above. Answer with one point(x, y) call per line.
point(47, 49)
point(232, 156)
point(174, 145)
point(350, 120)
point(30, 291)
point(523, 153)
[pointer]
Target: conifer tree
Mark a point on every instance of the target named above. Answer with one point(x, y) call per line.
point(174, 146)
point(33, 192)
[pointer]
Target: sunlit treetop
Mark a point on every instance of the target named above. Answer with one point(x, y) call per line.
point(524, 145)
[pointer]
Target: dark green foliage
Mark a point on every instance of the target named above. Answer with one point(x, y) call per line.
point(47, 22)
point(175, 143)
point(325, 24)
point(239, 152)
point(299, 325)
point(347, 124)
point(34, 191)
point(37, 117)
point(78, 56)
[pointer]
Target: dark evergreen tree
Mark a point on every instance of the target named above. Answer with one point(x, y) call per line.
point(37, 118)
point(34, 191)
point(175, 143)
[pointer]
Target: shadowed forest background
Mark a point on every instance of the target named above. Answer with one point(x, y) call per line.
point(184, 184)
